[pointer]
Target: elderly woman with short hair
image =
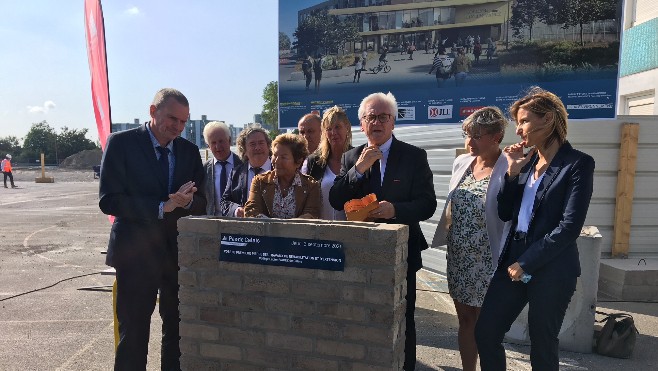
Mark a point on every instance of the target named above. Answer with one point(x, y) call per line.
point(324, 164)
point(285, 192)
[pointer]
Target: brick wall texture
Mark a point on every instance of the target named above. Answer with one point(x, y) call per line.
point(237, 316)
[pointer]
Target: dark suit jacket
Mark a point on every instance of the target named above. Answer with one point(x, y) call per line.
point(261, 196)
point(209, 188)
point(407, 185)
point(131, 189)
point(558, 213)
point(237, 190)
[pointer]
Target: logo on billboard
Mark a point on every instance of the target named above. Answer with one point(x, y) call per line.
point(467, 111)
point(589, 106)
point(439, 112)
point(406, 113)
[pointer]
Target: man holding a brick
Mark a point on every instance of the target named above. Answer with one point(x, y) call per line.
point(399, 174)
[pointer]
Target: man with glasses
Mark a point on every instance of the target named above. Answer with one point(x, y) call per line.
point(399, 174)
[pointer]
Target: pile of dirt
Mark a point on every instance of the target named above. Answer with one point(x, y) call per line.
point(83, 160)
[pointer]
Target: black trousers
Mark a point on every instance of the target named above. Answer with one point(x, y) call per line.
point(548, 295)
point(8, 174)
point(410, 332)
point(137, 292)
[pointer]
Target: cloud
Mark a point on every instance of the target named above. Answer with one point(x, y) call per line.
point(47, 106)
point(131, 11)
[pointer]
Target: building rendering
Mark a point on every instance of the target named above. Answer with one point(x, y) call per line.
point(396, 24)
point(638, 64)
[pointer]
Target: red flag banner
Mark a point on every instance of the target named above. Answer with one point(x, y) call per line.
point(100, 88)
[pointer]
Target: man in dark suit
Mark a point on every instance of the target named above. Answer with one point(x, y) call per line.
point(399, 174)
point(149, 178)
point(218, 138)
point(254, 145)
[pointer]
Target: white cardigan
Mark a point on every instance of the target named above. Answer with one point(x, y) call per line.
point(495, 226)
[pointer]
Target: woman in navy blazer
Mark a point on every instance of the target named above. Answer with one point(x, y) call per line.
point(545, 197)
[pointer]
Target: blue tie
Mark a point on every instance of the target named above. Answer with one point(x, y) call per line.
point(163, 161)
point(223, 177)
point(376, 180)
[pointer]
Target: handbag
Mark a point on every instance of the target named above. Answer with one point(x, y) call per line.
point(618, 335)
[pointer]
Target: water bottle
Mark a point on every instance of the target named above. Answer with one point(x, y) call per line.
point(525, 277)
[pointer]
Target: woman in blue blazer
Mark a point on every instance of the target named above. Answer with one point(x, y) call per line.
point(545, 197)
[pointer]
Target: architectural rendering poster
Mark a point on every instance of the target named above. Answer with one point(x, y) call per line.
point(444, 59)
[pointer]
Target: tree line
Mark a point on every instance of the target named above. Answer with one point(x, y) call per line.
point(527, 13)
point(42, 138)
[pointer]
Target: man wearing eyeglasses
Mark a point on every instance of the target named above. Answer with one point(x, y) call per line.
point(399, 174)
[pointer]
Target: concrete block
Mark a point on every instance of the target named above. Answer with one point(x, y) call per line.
point(240, 366)
point(188, 362)
point(342, 311)
point(243, 301)
point(308, 363)
point(198, 225)
point(187, 243)
point(241, 267)
point(380, 355)
point(296, 272)
point(288, 341)
point(220, 317)
point(239, 336)
point(348, 236)
point(187, 278)
point(379, 295)
point(268, 357)
point(353, 293)
point(265, 321)
point(224, 282)
point(265, 284)
point(290, 306)
point(200, 298)
point(188, 312)
point(189, 346)
point(317, 327)
point(368, 334)
point(220, 351)
point(350, 274)
point(44, 179)
point(316, 290)
point(340, 349)
point(389, 234)
point(306, 230)
point(208, 247)
point(203, 332)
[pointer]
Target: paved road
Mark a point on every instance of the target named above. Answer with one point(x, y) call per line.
point(51, 232)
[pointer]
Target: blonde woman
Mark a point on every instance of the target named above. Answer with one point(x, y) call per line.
point(324, 164)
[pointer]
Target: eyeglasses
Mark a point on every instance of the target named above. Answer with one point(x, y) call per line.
point(382, 118)
point(465, 135)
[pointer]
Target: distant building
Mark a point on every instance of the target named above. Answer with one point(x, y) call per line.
point(638, 64)
point(193, 130)
point(117, 126)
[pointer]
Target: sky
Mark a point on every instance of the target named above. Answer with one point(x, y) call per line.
point(219, 53)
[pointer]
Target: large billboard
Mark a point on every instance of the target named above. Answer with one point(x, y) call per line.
point(444, 59)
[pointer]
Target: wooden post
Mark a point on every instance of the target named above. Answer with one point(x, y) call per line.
point(43, 165)
point(625, 190)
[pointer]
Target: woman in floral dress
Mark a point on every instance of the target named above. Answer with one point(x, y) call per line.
point(469, 223)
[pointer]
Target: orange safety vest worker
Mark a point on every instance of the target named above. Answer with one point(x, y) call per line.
point(6, 166)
